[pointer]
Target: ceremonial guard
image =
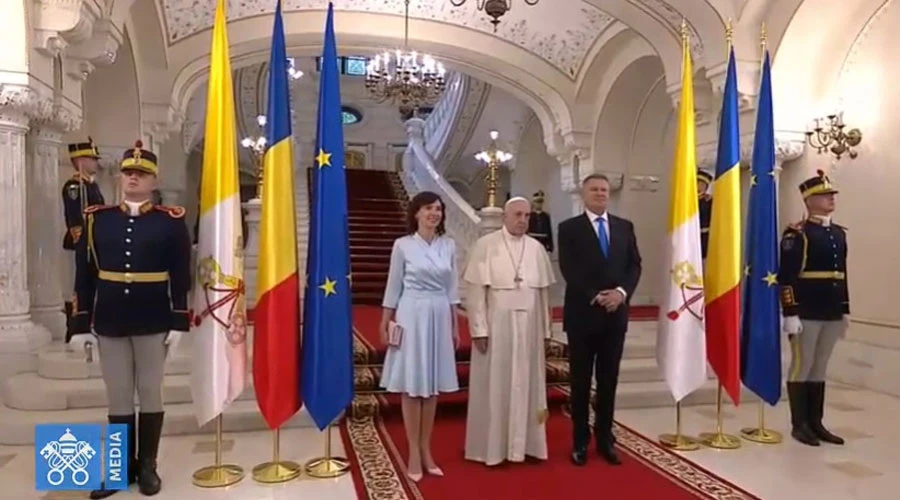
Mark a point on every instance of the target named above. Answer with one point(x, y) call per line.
point(132, 283)
point(704, 180)
point(78, 193)
point(539, 225)
point(815, 304)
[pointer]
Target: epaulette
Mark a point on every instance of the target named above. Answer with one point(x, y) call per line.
point(840, 226)
point(796, 226)
point(96, 208)
point(705, 197)
point(174, 212)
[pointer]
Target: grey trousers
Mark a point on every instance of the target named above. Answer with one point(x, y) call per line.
point(812, 348)
point(127, 362)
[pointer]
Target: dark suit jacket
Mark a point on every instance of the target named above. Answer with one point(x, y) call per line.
point(587, 271)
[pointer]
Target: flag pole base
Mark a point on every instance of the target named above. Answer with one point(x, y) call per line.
point(677, 442)
point(277, 472)
point(328, 466)
point(760, 434)
point(763, 436)
point(218, 475)
point(719, 440)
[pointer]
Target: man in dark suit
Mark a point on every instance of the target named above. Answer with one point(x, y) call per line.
point(599, 259)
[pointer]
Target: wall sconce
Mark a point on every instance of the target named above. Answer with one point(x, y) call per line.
point(832, 136)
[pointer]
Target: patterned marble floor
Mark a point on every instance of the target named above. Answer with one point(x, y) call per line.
point(860, 470)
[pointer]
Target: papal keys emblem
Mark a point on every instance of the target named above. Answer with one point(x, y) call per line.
point(688, 281)
point(222, 294)
point(68, 454)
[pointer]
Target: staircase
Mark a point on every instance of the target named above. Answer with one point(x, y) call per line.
point(376, 202)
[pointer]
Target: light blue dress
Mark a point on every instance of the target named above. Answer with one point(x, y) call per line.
point(422, 285)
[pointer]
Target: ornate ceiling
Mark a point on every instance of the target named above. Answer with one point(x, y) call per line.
point(564, 42)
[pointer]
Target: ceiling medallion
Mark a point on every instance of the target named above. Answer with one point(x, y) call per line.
point(493, 8)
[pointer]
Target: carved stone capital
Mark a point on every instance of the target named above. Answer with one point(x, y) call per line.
point(785, 150)
point(78, 69)
point(644, 182)
point(160, 120)
point(17, 104)
point(23, 104)
point(101, 47)
point(747, 73)
point(60, 23)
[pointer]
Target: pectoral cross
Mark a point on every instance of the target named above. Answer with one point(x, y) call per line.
point(518, 280)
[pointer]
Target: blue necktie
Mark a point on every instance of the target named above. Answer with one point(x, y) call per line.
point(601, 235)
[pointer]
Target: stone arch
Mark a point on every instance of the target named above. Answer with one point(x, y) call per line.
point(622, 49)
point(148, 40)
point(625, 96)
point(805, 71)
point(482, 56)
point(659, 22)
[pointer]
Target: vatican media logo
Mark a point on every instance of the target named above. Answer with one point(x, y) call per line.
point(72, 457)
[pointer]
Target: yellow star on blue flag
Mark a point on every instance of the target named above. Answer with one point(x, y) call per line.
point(771, 278)
point(323, 158)
point(327, 378)
point(329, 287)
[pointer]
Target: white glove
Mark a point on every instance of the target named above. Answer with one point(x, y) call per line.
point(792, 325)
point(78, 343)
point(172, 340)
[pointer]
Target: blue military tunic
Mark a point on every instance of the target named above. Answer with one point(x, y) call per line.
point(813, 271)
point(72, 206)
point(133, 271)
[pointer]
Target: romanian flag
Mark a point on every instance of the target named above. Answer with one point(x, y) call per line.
point(761, 335)
point(276, 341)
point(723, 260)
point(327, 320)
point(219, 363)
point(681, 344)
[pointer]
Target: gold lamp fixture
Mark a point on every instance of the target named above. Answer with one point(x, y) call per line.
point(493, 8)
point(405, 77)
point(493, 157)
point(832, 137)
point(257, 146)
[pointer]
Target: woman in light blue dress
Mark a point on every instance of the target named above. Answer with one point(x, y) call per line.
point(422, 297)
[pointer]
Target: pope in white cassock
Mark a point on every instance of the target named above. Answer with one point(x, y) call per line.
point(507, 281)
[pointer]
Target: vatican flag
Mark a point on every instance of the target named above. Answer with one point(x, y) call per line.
point(219, 363)
point(681, 342)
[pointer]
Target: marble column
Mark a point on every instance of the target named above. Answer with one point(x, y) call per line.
point(491, 220)
point(45, 228)
point(19, 336)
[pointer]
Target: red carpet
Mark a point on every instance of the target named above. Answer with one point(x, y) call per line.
point(377, 449)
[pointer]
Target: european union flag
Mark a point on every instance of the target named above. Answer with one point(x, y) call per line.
point(327, 327)
point(761, 332)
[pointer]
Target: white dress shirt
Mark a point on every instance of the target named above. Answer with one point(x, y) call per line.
point(603, 219)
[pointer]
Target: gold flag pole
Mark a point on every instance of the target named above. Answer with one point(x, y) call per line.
point(218, 475)
point(327, 466)
point(276, 471)
point(761, 434)
point(678, 441)
point(719, 439)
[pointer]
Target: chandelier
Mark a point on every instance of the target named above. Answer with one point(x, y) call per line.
point(493, 8)
point(833, 138)
point(405, 77)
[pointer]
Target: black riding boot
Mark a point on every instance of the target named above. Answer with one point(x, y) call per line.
point(798, 393)
point(149, 432)
point(132, 454)
point(817, 410)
